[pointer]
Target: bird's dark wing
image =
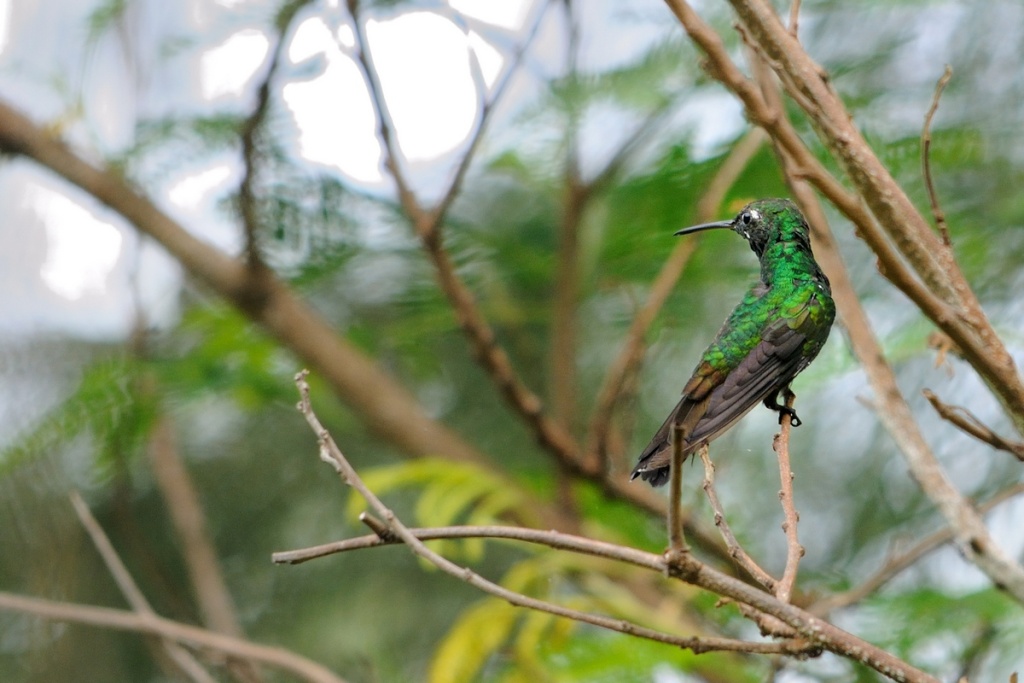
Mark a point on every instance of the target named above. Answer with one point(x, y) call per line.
point(764, 372)
point(713, 401)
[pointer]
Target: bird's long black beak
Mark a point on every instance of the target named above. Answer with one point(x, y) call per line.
point(705, 226)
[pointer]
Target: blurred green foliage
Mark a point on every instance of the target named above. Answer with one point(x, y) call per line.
point(377, 615)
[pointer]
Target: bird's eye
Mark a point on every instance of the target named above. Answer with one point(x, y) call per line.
point(746, 218)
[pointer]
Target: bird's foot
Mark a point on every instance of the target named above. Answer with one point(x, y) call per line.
point(772, 403)
point(793, 419)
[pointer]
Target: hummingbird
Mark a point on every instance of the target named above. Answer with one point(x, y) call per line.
point(773, 334)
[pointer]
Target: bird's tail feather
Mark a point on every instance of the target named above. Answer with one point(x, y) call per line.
point(655, 459)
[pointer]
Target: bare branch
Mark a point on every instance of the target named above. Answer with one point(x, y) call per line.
point(813, 633)
point(384, 534)
point(123, 620)
point(897, 562)
point(794, 551)
point(331, 454)
point(676, 540)
point(181, 657)
point(551, 539)
point(250, 131)
point(742, 558)
point(969, 423)
point(189, 522)
point(487, 107)
point(489, 353)
point(794, 18)
point(926, 143)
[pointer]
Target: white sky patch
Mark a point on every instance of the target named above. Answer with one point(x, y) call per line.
point(489, 58)
point(190, 192)
point(311, 38)
point(346, 36)
point(423, 65)
point(422, 59)
point(506, 13)
point(5, 23)
point(332, 111)
point(227, 68)
point(81, 250)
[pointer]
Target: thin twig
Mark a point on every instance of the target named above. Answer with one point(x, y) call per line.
point(676, 540)
point(379, 528)
point(181, 657)
point(926, 143)
point(742, 558)
point(551, 539)
point(489, 352)
point(331, 454)
point(794, 18)
point(123, 620)
point(969, 423)
point(487, 107)
point(898, 562)
point(794, 551)
point(188, 519)
point(250, 131)
point(813, 633)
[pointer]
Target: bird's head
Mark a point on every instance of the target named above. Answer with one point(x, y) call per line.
point(762, 223)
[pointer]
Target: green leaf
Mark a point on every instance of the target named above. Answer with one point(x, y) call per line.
point(478, 633)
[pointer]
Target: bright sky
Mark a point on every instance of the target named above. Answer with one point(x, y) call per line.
point(5, 18)
point(81, 248)
point(432, 99)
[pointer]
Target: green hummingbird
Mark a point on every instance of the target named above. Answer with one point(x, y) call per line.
point(773, 334)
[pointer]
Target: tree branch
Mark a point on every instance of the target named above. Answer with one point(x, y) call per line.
point(549, 433)
point(969, 423)
point(897, 562)
point(551, 539)
point(122, 620)
point(332, 455)
point(487, 107)
point(813, 631)
point(926, 166)
point(185, 510)
point(736, 551)
point(794, 551)
point(181, 657)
